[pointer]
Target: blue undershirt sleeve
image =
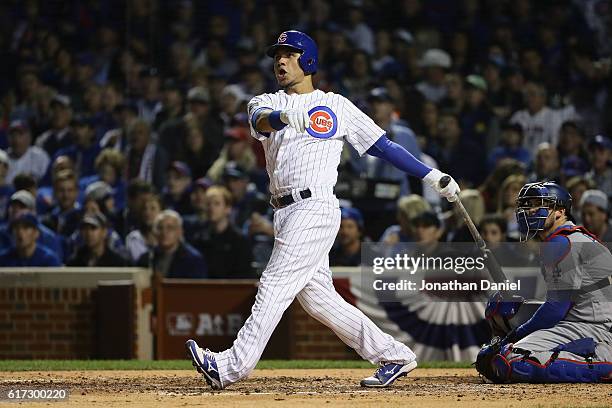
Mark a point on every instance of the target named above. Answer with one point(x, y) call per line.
point(399, 157)
point(548, 315)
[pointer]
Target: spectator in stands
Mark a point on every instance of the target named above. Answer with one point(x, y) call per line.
point(506, 202)
point(577, 186)
point(347, 249)
point(198, 154)
point(233, 100)
point(171, 107)
point(492, 227)
point(6, 190)
point(430, 126)
point(176, 195)
point(236, 149)
point(454, 100)
point(59, 163)
point(23, 181)
point(435, 62)
point(24, 158)
point(490, 187)
point(382, 52)
point(358, 31)
point(99, 199)
point(95, 250)
point(546, 165)
point(65, 215)
point(496, 92)
point(408, 208)
point(227, 251)
point(60, 134)
point(428, 231)
point(358, 77)
point(454, 150)
point(540, 123)
point(84, 150)
point(22, 202)
point(142, 240)
point(172, 256)
point(382, 111)
point(195, 224)
point(571, 142)
point(456, 229)
point(601, 161)
point(245, 198)
point(145, 159)
point(595, 215)
point(109, 166)
point(511, 146)
point(26, 250)
point(173, 133)
point(138, 191)
point(149, 105)
point(124, 114)
point(477, 117)
point(251, 212)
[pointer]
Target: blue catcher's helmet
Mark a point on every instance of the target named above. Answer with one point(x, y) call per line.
point(534, 203)
point(302, 43)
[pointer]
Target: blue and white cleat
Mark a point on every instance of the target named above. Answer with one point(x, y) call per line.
point(204, 361)
point(387, 374)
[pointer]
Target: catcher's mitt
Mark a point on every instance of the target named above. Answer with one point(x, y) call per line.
point(485, 356)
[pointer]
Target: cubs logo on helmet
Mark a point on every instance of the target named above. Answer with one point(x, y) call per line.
point(282, 38)
point(323, 122)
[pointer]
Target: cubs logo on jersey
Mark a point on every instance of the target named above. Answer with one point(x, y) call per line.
point(323, 122)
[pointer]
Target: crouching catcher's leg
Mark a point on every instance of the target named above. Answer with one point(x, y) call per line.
point(573, 362)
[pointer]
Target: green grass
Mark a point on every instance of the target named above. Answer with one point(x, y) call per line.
point(71, 365)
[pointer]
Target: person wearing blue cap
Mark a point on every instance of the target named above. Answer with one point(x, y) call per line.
point(96, 249)
point(22, 202)
point(195, 224)
point(176, 194)
point(601, 157)
point(25, 250)
point(347, 251)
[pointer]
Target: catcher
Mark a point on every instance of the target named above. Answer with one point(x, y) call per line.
point(569, 337)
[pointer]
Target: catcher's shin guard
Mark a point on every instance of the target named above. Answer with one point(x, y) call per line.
point(516, 365)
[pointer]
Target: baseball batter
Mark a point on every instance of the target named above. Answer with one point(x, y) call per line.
point(569, 337)
point(302, 130)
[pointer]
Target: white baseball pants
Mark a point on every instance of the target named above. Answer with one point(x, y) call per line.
point(299, 267)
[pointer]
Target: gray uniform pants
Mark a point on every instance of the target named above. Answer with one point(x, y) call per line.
point(540, 342)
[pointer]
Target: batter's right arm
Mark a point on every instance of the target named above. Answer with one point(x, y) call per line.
point(266, 120)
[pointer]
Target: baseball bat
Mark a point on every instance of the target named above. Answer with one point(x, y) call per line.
point(495, 270)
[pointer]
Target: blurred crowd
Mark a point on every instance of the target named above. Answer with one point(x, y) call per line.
point(125, 139)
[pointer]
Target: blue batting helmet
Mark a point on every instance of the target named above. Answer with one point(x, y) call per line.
point(302, 43)
point(534, 203)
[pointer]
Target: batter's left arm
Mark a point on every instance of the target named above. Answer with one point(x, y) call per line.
point(403, 160)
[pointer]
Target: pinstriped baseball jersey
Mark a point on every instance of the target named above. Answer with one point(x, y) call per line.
point(311, 158)
point(305, 231)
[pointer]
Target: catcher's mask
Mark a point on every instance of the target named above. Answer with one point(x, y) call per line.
point(534, 204)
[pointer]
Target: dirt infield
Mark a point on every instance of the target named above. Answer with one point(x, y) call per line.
point(297, 388)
